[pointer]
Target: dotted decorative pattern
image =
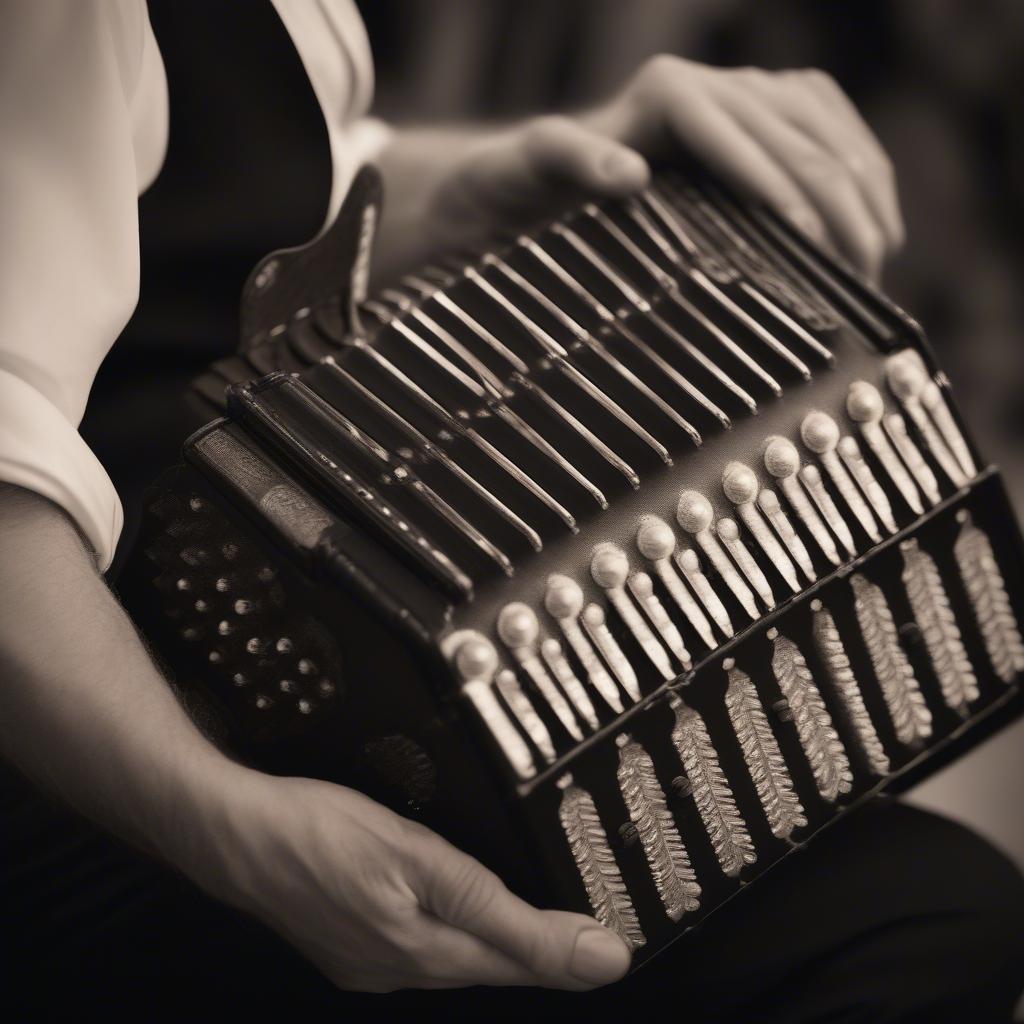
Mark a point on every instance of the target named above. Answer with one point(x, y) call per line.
point(227, 606)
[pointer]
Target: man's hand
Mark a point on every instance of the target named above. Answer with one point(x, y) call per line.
point(378, 902)
point(791, 139)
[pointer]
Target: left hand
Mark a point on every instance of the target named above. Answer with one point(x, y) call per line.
point(790, 138)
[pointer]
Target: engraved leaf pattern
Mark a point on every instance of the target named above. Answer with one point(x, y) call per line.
point(818, 737)
point(596, 863)
point(844, 682)
point(726, 829)
point(669, 862)
point(938, 627)
point(986, 591)
point(764, 759)
point(910, 715)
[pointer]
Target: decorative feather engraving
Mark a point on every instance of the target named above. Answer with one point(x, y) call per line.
point(666, 855)
point(938, 627)
point(818, 737)
point(761, 752)
point(910, 715)
point(596, 863)
point(726, 829)
point(830, 646)
point(987, 593)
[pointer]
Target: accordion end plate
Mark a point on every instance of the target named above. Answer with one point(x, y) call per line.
point(986, 591)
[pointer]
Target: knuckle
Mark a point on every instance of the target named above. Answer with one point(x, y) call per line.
point(869, 243)
point(752, 75)
point(820, 168)
point(875, 242)
point(472, 890)
point(789, 81)
point(880, 165)
point(544, 954)
point(662, 69)
point(871, 163)
point(547, 947)
point(413, 831)
point(817, 78)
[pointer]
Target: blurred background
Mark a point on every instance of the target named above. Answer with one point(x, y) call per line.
point(940, 82)
point(248, 171)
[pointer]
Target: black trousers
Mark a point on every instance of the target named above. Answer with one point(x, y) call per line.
point(893, 915)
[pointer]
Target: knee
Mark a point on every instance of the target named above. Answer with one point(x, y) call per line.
point(972, 939)
point(980, 878)
point(996, 901)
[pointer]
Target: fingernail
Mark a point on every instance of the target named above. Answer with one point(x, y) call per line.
point(808, 223)
point(623, 165)
point(598, 957)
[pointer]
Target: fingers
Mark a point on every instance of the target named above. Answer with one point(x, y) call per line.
point(448, 957)
point(705, 129)
point(823, 177)
point(559, 150)
point(559, 950)
point(791, 139)
point(545, 163)
point(814, 102)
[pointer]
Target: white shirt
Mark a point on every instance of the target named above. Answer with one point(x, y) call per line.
point(83, 130)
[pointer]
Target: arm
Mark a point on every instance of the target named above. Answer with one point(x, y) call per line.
point(375, 901)
point(83, 711)
point(789, 138)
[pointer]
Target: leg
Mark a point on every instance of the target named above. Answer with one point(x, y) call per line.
point(90, 924)
point(893, 915)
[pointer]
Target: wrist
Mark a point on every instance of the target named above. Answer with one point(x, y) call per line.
point(202, 820)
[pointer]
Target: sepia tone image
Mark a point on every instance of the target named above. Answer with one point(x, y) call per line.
point(511, 508)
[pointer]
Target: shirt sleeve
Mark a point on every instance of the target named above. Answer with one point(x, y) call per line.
point(69, 247)
point(331, 40)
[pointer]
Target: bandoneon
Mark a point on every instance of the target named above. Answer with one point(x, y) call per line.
point(628, 554)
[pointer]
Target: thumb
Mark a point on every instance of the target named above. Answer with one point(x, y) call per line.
point(536, 167)
point(563, 950)
point(559, 150)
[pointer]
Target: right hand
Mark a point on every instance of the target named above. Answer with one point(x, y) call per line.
point(789, 138)
point(379, 903)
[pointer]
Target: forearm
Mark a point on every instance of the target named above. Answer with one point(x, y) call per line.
point(84, 713)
